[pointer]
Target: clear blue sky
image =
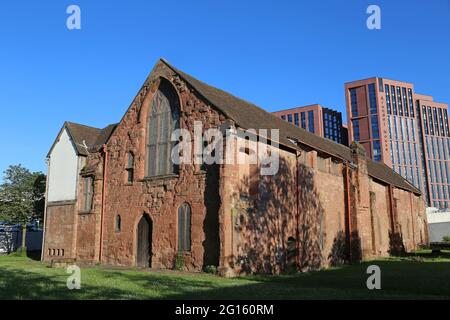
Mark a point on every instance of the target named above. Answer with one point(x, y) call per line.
point(277, 54)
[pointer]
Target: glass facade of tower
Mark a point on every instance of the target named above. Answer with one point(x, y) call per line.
point(436, 145)
point(322, 121)
point(403, 137)
point(406, 133)
point(332, 125)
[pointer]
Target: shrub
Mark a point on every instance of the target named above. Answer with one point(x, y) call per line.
point(446, 238)
point(211, 269)
point(179, 262)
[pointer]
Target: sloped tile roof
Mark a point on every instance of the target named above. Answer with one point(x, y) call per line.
point(86, 138)
point(82, 136)
point(247, 115)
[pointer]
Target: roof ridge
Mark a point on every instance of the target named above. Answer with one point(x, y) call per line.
point(109, 125)
point(82, 125)
point(183, 74)
point(240, 111)
point(236, 97)
point(206, 84)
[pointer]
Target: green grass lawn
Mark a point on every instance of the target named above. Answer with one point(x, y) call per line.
point(421, 275)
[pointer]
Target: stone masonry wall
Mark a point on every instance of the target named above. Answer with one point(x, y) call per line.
point(382, 223)
point(332, 200)
point(59, 225)
point(241, 221)
point(264, 225)
point(89, 223)
point(159, 197)
point(410, 218)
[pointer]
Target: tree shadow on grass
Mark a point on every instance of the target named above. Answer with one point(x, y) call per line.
point(22, 284)
point(399, 279)
point(403, 277)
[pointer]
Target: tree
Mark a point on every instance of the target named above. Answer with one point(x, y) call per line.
point(22, 197)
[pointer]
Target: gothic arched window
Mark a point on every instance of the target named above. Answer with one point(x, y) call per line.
point(163, 119)
point(184, 227)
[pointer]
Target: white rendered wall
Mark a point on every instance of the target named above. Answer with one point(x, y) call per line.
point(63, 170)
point(438, 225)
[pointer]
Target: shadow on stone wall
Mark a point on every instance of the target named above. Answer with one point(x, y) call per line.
point(340, 254)
point(266, 224)
point(312, 229)
point(396, 247)
point(355, 247)
point(211, 244)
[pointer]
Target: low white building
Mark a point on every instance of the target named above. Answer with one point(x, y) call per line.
point(65, 160)
point(438, 224)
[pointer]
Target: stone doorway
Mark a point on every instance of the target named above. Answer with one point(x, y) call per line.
point(144, 242)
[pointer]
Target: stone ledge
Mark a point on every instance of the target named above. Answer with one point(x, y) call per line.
point(161, 177)
point(61, 203)
point(86, 212)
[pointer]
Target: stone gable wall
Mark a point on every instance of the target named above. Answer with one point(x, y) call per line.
point(157, 197)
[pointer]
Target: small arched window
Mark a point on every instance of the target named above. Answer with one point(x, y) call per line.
point(118, 223)
point(130, 168)
point(184, 227)
point(163, 120)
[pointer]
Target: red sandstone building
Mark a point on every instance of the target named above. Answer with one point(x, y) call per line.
point(114, 197)
point(317, 119)
point(405, 130)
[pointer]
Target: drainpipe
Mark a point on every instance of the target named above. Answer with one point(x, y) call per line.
point(413, 219)
point(348, 212)
point(297, 236)
point(105, 162)
point(391, 208)
point(47, 162)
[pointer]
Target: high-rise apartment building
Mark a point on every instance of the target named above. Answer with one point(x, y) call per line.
point(322, 121)
point(405, 130)
point(436, 140)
